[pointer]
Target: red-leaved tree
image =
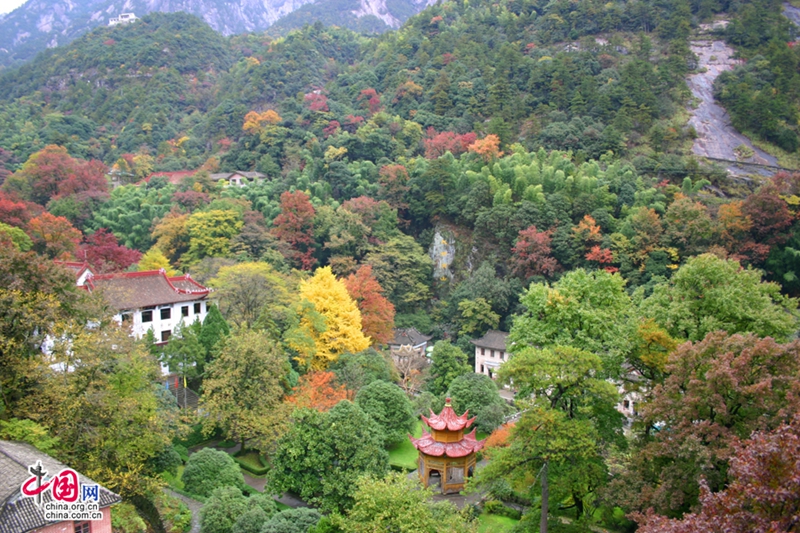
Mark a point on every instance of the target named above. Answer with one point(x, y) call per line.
point(377, 313)
point(763, 496)
point(717, 391)
point(295, 227)
point(16, 213)
point(105, 254)
point(531, 254)
point(437, 144)
point(51, 173)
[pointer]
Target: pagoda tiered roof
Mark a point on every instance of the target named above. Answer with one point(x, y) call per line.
point(448, 419)
point(467, 445)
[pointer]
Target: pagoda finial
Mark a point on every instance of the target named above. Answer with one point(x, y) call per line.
point(447, 402)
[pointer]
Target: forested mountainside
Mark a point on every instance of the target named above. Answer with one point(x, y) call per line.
point(42, 24)
point(517, 165)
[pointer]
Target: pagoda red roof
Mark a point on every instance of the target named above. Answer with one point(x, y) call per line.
point(427, 445)
point(448, 419)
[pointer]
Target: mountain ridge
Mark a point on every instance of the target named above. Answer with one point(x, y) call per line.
point(41, 24)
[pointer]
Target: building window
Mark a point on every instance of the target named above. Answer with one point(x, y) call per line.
point(483, 351)
point(197, 308)
point(185, 310)
point(626, 404)
point(126, 318)
point(147, 316)
point(165, 335)
point(483, 371)
point(83, 527)
point(166, 313)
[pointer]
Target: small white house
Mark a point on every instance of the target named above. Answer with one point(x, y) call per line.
point(237, 179)
point(490, 352)
point(123, 18)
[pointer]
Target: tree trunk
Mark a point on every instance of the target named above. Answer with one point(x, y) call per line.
point(578, 505)
point(545, 498)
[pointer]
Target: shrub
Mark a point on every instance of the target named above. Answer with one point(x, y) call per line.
point(175, 515)
point(390, 408)
point(292, 521)
point(497, 507)
point(168, 460)
point(222, 510)
point(209, 469)
point(125, 519)
point(251, 522)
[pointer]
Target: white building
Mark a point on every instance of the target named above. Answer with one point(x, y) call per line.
point(152, 301)
point(490, 352)
point(237, 179)
point(123, 18)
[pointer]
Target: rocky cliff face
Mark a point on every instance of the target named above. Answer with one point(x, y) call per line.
point(40, 24)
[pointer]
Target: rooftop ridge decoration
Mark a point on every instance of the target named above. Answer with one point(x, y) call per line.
point(448, 419)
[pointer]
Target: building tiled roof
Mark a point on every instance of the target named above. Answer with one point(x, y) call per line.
point(135, 290)
point(186, 283)
point(495, 340)
point(19, 514)
point(427, 445)
point(448, 419)
point(409, 336)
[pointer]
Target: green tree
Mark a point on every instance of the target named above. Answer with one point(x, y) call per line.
point(213, 330)
point(244, 389)
point(210, 233)
point(358, 370)
point(586, 310)
point(477, 317)
point(478, 394)
point(709, 293)
point(222, 510)
point(447, 363)
point(396, 503)
point(389, 408)
point(253, 294)
point(102, 401)
point(29, 431)
point(403, 269)
point(183, 353)
point(323, 455)
point(208, 470)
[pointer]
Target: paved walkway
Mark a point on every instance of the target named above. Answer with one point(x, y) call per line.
point(193, 505)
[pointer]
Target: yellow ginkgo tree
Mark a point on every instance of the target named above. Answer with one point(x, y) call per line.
point(341, 332)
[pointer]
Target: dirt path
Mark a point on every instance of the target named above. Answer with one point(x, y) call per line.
point(716, 137)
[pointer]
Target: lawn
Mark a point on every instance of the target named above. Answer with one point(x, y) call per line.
point(174, 481)
point(251, 458)
point(492, 523)
point(404, 454)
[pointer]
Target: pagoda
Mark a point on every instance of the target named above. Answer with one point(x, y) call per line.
point(446, 450)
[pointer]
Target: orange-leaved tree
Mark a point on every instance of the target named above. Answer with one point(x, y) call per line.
point(377, 313)
point(318, 390)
